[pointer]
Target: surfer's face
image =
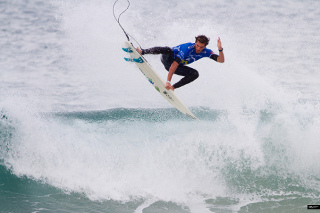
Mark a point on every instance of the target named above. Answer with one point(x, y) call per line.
point(198, 46)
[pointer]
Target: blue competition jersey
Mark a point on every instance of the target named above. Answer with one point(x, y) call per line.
point(187, 53)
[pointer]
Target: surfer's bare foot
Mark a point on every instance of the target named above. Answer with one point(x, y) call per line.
point(139, 51)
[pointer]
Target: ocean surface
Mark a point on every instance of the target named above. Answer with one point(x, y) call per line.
point(81, 130)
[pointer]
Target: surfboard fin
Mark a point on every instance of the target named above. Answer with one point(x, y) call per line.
point(136, 60)
point(128, 50)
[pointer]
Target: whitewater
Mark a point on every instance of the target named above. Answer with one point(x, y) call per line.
point(82, 130)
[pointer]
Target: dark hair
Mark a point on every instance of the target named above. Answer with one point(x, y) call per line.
point(203, 39)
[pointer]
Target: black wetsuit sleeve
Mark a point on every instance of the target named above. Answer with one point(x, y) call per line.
point(157, 50)
point(178, 60)
point(214, 57)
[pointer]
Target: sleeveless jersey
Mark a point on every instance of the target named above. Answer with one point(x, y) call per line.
point(187, 54)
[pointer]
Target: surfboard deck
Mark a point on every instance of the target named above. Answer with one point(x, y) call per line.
point(155, 80)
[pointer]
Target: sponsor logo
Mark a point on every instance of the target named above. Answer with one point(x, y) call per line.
point(191, 47)
point(150, 80)
point(184, 62)
point(177, 48)
point(157, 88)
point(166, 94)
point(313, 207)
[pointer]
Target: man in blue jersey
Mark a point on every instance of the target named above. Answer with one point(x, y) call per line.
point(175, 59)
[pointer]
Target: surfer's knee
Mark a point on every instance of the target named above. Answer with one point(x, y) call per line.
point(195, 74)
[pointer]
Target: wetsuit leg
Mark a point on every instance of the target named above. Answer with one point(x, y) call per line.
point(189, 73)
point(167, 59)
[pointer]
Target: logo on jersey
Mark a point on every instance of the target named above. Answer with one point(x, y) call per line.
point(184, 62)
point(191, 47)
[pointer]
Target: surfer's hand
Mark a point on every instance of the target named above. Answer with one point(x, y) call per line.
point(168, 86)
point(139, 51)
point(219, 45)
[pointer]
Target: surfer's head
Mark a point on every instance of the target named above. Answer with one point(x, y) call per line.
point(201, 42)
point(203, 39)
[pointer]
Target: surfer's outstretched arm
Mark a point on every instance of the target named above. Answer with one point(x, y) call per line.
point(220, 58)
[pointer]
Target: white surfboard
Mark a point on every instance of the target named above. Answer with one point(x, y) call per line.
point(155, 79)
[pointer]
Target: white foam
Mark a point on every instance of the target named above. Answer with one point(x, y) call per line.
point(182, 162)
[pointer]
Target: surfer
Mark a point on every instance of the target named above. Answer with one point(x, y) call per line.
point(175, 59)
